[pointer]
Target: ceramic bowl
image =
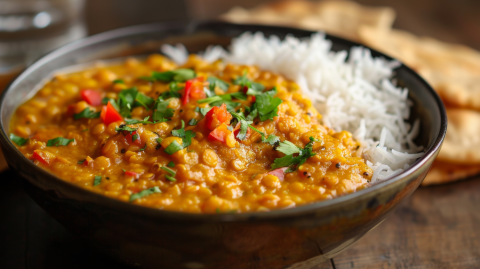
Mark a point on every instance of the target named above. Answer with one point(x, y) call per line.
point(300, 237)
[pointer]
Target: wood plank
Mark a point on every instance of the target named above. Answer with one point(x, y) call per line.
point(439, 227)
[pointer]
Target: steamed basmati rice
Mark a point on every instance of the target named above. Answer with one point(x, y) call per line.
point(352, 93)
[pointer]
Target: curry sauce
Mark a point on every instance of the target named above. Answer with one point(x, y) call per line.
point(201, 137)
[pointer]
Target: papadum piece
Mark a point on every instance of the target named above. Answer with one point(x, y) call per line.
point(443, 172)
point(462, 142)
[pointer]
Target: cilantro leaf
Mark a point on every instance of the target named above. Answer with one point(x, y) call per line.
point(291, 161)
point(173, 147)
point(180, 132)
point(144, 100)
point(203, 111)
point(127, 97)
point(142, 149)
point(144, 193)
point(126, 128)
point(171, 164)
point(144, 121)
point(186, 137)
point(216, 82)
point(271, 139)
point(59, 141)
point(267, 105)
point(20, 141)
point(81, 161)
point(193, 122)
point(254, 88)
point(288, 148)
point(97, 180)
point(162, 111)
point(179, 75)
point(87, 114)
point(119, 81)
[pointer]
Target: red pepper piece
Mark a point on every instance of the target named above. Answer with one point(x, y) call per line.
point(279, 172)
point(110, 114)
point(131, 174)
point(129, 136)
point(43, 157)
point(216, 116)
point(92, 97)
point(219, 134)
point(194, 89)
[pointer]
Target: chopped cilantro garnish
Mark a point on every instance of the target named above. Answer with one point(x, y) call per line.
point(20, 141)
point(179, 75)
point(125, 128)
point(224, 97)
point(254, 88)
point(203, 111)
point(135, 137)
point(144, 100)
point(162, 112)
point(171, 164)
point(186, 137)
point(271, 139)
point(59, 141)
point(213, 81)
point(97, 180)
point(173, 147)
point(142, 149)
point(144, 193)
point(289, 149)
point(87, 114)
point(144, 121)
point(159, 140)
point(267, 105)
point(81, 161)
point(246, 123)
point(193, 122)
point(119, 81)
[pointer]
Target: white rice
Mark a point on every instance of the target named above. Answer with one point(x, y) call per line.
point(355, 94)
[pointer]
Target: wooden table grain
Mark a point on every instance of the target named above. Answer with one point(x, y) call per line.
point(438, 227)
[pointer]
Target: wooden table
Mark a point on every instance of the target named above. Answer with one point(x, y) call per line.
point(438, 227)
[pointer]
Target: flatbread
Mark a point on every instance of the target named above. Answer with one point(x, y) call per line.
point(442, 172)
point(342, 18)
point(462, 142)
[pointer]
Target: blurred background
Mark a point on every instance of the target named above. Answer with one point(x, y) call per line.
point(30, 28)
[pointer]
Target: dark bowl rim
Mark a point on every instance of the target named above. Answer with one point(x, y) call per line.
point(142, 210)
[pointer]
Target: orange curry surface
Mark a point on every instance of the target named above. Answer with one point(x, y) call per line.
point(219, 137)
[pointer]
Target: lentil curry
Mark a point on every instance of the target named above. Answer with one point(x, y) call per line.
point(202, 137)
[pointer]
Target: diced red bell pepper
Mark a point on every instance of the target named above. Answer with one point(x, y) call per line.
point(219, 134)
point(92, 97)
point(110, 114)
point(194, 89)
point(129, 136)
point(88, 161)
point(216, 116)
point(237, 130)
point(279, 172)
point(131, 174)
point(43, 157)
